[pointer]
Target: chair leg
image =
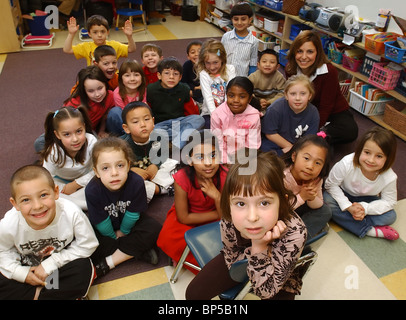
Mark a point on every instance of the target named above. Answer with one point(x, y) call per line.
point(179, 266)
point(117, 20)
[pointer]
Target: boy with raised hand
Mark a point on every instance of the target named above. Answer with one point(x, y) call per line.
point(98, 30)
point(240, 44)
point(174, 109)
point(45, 241)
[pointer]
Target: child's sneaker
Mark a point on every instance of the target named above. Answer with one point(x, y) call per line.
point(102, 268)
point(150, 256)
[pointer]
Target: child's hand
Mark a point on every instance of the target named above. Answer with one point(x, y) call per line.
point(208, 187)
point(72, 26)
point(357, 211)
point(103, 134)
point(40, 273)
point(141, 172)
point(263, 103)
point(119, 234)
point(33, 279)
point(152, 170)
point(275, 233)
point(70, 188)
point(128, 28)
point(309, 190)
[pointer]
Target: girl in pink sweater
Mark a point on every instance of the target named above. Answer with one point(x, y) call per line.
point(307, 164)
point(235, 122)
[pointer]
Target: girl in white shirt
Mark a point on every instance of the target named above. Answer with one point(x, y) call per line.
point(67, 154)
point(214, 74)
point(361, 188)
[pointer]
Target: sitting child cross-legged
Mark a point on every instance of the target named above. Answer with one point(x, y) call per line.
point(46, 242)
point(117, 202)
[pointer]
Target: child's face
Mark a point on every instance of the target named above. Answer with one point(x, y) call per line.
point(108, 64)
point(308, 162)
point(72, 134)
point(241, 23)
point(237, 99)
point(95, 90)
point(205, 160)
point(212, 63)
point(98, 34)
point(140, 124)
point(256, 215)
point(132, 80)
point(193, 54)
point(150, 59)
point(112, 169)
point(298, 96)
point(372, 159)
point(268, 64)
point(35, 199)
point(169, 78)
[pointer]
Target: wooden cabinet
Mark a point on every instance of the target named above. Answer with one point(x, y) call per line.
point(10, 26)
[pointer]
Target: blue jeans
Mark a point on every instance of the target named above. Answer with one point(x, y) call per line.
point(314, 219)
point(114, 122)
point(179, 129)
point(268, 145)
point(359, 228)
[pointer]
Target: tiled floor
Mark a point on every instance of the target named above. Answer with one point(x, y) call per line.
point(347, 267)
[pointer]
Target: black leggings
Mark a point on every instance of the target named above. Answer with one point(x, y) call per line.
point(215, 278)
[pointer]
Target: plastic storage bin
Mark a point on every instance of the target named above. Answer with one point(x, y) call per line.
point(351, 63)
point(283, 57)
point(369, 63)
point(383, 78)
point(296, 28)
point(394, 53)
point(376, 45)
point(335, 56)
point(365, 106)
point(274, 4)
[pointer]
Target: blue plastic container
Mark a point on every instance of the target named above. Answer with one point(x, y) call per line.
point(283, 57)
point(37, 26)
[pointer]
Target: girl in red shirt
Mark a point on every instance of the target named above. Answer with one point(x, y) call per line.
point(197, 195)
point(93, 94)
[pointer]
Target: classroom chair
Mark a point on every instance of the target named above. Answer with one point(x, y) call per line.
point(135, 9)
point(204, 242)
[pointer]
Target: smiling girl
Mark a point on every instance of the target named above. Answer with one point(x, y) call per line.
point(92, 93)
point(235, 122)
point(214, 74)
point(290, 117)
point(258, 224)
point(361, 188)
point(67, 154)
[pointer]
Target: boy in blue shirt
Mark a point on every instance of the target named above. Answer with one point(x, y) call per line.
point(240, 44)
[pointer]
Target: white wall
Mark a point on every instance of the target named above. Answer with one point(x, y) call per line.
point(368, 9)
